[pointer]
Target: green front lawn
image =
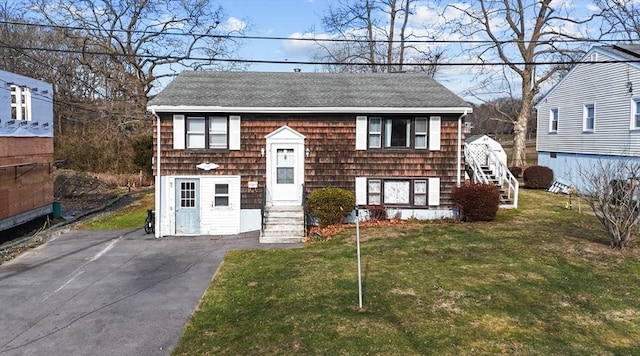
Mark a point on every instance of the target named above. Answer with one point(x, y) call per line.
point(130, 217)
point(540, 280)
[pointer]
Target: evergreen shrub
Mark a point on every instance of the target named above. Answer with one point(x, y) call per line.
point(330, 205)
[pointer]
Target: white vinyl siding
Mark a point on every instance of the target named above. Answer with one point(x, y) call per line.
point(220, 205)
point(178, 132)
point(605, 85)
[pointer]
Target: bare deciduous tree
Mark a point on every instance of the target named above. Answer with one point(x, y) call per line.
point(620, 19)
point(520, 34)
point(611, 188)
point(375, 37)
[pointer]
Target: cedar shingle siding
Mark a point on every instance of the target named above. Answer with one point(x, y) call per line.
point(332, 161)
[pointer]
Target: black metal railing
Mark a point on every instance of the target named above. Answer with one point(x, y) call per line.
point(304, 209)
point(262, 209)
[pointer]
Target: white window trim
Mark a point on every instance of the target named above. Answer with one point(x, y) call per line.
point(584, 117)
point(554, 115)
point(220, 195)
point(634, 111)
point(233, 133)
point(22, 97)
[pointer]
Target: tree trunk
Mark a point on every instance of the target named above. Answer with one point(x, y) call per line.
point(372, 53)
point(518, 156)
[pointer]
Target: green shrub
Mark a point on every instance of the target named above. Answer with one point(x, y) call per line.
point(537, 177)
point(330, 205)
point(477, 202)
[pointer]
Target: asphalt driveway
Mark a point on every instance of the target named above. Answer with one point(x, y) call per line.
point(107, 292)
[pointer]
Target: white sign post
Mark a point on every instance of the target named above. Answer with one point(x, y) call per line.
point(358, 253)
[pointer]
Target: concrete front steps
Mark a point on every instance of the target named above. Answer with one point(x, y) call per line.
point(283, 224)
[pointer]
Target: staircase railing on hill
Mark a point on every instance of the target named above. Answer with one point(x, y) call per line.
point(484, 166)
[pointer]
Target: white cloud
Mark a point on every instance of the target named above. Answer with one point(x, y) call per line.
point(234, 24)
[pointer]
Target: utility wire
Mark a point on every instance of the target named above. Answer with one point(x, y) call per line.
point(269, 61)
point(303, 39)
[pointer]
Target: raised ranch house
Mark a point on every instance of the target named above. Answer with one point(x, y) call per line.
point(239, 151)
point(592, 114)
point(26, 150)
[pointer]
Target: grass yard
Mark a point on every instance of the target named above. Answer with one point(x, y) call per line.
point(130, 217)
point(540, 280)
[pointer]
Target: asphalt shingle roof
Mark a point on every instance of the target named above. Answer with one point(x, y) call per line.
point(299, 89)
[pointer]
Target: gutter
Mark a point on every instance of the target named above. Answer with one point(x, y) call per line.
point(158, 200)
point(458, 178)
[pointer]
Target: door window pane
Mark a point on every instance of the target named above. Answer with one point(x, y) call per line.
point(285, 166)
point(187, 194)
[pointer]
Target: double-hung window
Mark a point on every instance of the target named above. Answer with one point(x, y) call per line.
point(221, 195)
point(589, 118)
point(635, 114)
point(553, 120)
point(20, 103)
point(207, 132)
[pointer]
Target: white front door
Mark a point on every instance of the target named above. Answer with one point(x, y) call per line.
point(285, 185)
point(285, 167)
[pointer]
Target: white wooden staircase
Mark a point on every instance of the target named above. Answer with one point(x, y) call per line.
point(283, 224)
point(483, 166)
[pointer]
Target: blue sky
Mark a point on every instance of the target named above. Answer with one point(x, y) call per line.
point(294, 18)
point(276, 18)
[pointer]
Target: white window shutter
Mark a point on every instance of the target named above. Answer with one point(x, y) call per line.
point(434, 191)
point(178, 132)
point(234, 133)
point(434, 133)
point(361, 191)
point(361, 132)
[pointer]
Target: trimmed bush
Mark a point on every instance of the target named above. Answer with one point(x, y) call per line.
point(330, 205)
point(516, 171)
point(537, 177)
point(477, 202)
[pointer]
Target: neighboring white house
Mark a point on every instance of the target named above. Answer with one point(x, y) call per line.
point(592, 114)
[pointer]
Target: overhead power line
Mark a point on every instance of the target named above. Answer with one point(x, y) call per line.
point(269, 61)
point(305, 39)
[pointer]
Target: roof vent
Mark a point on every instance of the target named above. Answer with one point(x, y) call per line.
point(297, 70)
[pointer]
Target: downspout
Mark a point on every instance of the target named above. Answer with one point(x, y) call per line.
point(158, 190)
point(458, 178)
